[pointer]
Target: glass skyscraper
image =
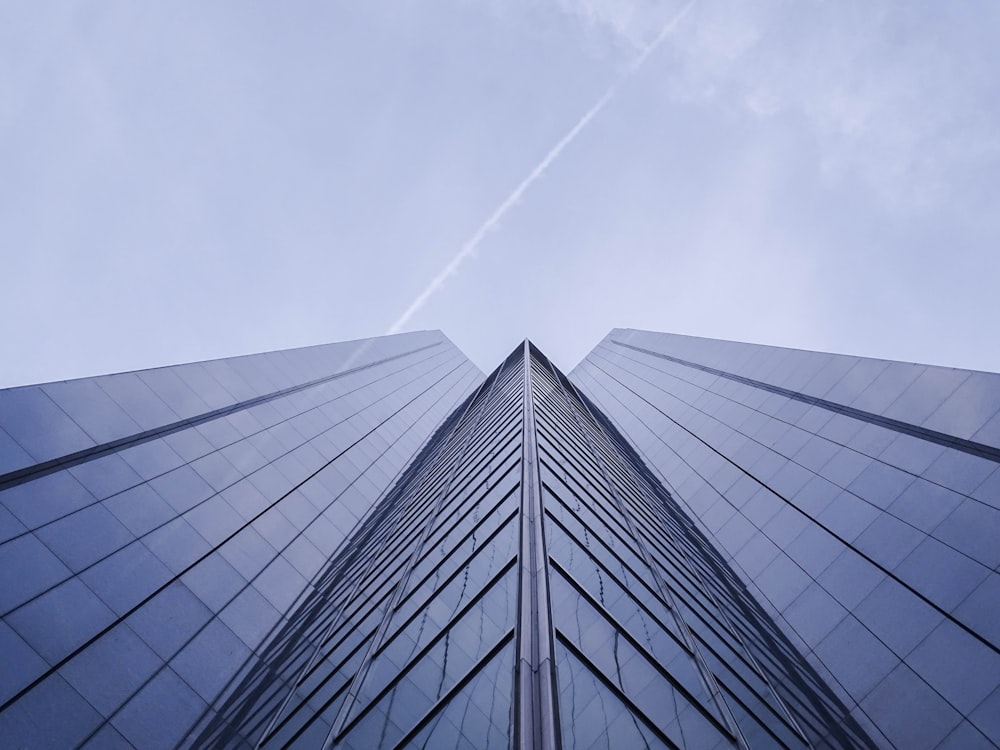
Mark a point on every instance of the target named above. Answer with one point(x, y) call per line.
point(686, 543)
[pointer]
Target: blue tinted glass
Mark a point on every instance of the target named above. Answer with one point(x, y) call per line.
point(40, 427)
point(52, 714)
point(27, 568)
point(479, 715)
point(160, 714)
point(21, 663)
point(61, 620)
point(593, 716)
point(111, 669)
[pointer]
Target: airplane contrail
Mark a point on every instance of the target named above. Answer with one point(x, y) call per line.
point(469, 248)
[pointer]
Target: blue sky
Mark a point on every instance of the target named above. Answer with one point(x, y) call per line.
point(189, 180)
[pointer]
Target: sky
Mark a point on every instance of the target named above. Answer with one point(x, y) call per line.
point(187, 180)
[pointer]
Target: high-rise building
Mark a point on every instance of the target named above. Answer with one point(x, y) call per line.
point(686, 543)
point(856, 498)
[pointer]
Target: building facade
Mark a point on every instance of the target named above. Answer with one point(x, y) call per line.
point(686, 543)
point(856, 498)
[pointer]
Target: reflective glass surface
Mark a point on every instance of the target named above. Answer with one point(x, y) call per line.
point(160, 526)
point(851, 496)
point(687, 543)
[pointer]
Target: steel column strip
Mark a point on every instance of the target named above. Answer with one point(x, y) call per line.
point(536, 710)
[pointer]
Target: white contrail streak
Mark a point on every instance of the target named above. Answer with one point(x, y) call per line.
point(469, 248)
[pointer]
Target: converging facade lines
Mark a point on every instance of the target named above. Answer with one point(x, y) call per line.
point(684, 543)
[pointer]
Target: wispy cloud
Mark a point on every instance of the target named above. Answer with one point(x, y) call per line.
point(468, 249)
point(897, 99)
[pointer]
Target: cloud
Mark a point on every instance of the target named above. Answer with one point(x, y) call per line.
point(899, 98)
point(468, 249)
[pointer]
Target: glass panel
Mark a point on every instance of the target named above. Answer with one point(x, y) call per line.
point(621, 662)
point(591, 716)
point(463, 642)
point(480, 714)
